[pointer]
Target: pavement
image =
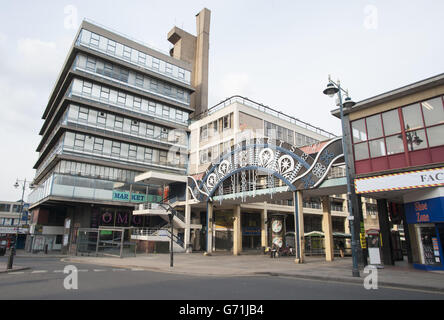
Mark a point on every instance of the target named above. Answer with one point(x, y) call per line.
point(340, 270)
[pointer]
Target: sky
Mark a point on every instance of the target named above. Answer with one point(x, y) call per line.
point(276, 52)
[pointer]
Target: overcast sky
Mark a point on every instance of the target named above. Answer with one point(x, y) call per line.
point(278, 53)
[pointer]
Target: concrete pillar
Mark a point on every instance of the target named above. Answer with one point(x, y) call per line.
point(327, 228)
point(237, 231)
point(264, 230)
point(299, 226)
point(187, 231)
point(209, 227)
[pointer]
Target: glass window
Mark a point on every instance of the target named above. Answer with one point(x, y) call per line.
point(115, 149)
point(166, 111)
point(412, 117)
point(111, 46)
point(436, 136)
point(127, 52)
point(163, 157)
point(137, 102)
point(358, 128)
point(416, 140)
point(391, 121)
point(433, 111)
point(118, 123)
point(394, 144)
point(377, 148)
point(79, 141)
point(87, 87)
point(181, 73)
point(121, 98)
point(169, 68)
point(94, 39)
point(150, 130)
point(374, 127)
point(148, 154)
point(139, 80)
point(142, 58)
point(132, 152)
point(83, 113)
point(156, 63)
point(90, 63)
point(98, 144)
point(151, 107)
point(134, 127)
point(104, 93)
point(361, 151)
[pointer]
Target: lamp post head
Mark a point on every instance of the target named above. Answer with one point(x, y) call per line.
point(348, 103)
point(331, 90)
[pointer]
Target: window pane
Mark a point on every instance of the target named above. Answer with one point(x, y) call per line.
point(358, 128)
point(416, 140)
point(412, 117)
point(374, 127)
point(377, 148)
point(361, 151)
point(394, 145)
point(436, 136)
point(433, 111)
point(391, 122)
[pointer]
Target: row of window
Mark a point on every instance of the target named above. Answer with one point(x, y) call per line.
point(95, 171)
point(277, 132)
point(132, 127)
point(213, 153)
point(118, 50)
point(5, 207)
point(216, 127)
point(132, 78)
point(121, 151)
point(5, 222)
point(417, 126)
point(127, 101)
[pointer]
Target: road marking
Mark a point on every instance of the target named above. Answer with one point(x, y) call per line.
point(58, 271)
point(99, 270)
point(119, 269)
point(135, 269)
point(39, 271)
point(82, 270)
point(17, 272)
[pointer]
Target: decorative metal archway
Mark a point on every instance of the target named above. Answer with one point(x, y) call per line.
point(297, 169)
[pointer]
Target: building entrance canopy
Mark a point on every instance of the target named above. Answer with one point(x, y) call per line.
point(241, 168)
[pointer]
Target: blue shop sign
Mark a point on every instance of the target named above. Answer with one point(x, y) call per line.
point(251, 231)
point(425, 211)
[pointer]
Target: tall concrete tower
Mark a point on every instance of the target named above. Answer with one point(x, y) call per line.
point(195, 50)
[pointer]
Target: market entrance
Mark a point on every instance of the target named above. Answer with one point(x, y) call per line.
point(256, 171)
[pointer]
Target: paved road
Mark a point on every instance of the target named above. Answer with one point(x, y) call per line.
point(45, 281)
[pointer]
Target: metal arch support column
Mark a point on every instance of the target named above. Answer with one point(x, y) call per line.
point(297, 198)
point(209, 235)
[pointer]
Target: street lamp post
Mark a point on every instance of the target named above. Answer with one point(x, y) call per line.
point(332, 89)
point(12, 249)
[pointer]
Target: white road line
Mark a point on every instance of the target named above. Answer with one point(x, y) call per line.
point(82, 270)
point(39, 271)
point(119, 269)
point(99, 270)
point(18, 272)
point(137, 269)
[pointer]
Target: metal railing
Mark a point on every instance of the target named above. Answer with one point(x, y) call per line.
point(157, 232)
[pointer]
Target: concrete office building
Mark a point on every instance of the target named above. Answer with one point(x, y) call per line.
point(12, 219)
point(118, 108)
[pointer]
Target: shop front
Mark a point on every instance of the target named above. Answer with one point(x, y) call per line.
point(425, 217)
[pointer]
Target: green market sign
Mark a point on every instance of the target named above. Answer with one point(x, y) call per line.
point(125, 196)
point(135, 197)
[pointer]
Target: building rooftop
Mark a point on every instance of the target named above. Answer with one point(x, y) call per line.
point(265, 109)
